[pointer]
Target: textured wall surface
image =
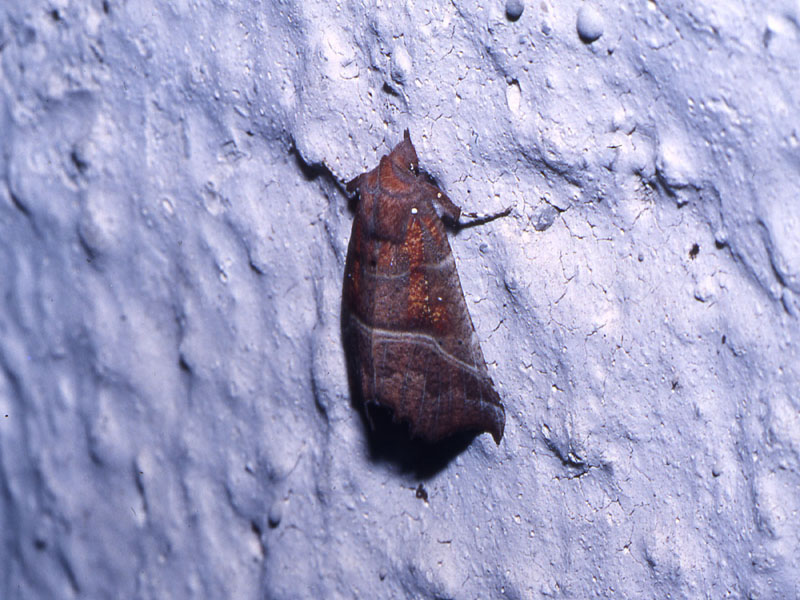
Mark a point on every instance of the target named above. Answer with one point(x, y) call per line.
point(175, 417)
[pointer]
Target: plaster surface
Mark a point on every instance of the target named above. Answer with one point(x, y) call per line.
point(175, 417)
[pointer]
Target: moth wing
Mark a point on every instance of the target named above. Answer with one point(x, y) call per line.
point(409, 337)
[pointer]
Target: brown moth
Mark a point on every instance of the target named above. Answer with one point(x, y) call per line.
point(409, 339)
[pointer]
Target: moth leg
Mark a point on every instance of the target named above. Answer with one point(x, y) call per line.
point(481, 218)
point(489, 216)
point(452, 214)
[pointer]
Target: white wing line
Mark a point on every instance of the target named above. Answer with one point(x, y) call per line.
point(402, 336)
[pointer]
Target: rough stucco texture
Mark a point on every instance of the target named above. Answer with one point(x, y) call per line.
point(175, 415)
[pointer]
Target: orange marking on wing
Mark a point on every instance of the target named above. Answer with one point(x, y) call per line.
point(417, 296)
point(438, 316)
point(414, 245)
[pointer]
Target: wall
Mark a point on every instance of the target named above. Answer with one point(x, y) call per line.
point(175, 417)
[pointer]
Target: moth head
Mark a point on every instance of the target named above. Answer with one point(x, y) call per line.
point(404, 156)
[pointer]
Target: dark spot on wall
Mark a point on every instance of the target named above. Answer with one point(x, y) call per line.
point(388, 89)
point(184, 366)
point(421, 493)
point(81, 164)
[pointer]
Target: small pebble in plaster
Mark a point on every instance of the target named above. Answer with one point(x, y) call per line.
point(623, 121)
point(705, 290)
point(100, 227)
point(256, 543)
point(695, 250)
point(275, 514)
point(674, 164)
point(590, 24)
point(167, 206)
point(543, 217)
point(514, 9)
point(401, 64)
point(409, 340)
point(513, 95)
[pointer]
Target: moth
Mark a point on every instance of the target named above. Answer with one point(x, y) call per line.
point(409, 339)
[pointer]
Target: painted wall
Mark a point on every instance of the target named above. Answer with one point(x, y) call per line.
point(175, 417)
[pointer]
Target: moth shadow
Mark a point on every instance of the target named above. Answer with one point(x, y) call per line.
point(390, 442)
